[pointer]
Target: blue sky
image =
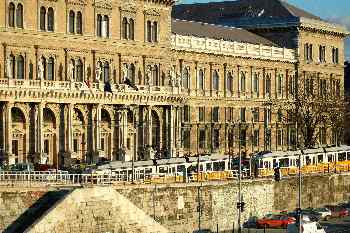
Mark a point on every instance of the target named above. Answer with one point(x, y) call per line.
point(333, 10)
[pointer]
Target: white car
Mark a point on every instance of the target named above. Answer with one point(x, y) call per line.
point(307, 227)
point(325, 213)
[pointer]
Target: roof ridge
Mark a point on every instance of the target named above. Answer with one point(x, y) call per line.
point(211, 24)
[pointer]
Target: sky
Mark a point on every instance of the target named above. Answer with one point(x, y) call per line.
point(333, 10)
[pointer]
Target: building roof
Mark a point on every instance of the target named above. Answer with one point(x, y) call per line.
point(197, 29)
point(228, 12)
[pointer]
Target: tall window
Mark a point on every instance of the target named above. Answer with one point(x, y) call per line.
point(256, 83)
point(215, 114)
point(256, 114)
point(201, 111)
point(322, 53)
point(19, 16)
point(79, 23)
point(323, 87)
point(42, 18)
point(20, 67)
point(185, 78)
point(268, 85)
point(131, 29)
point(71, 21)
point(99, 25)
point(149, 31)
point(229, 82)
point(242, 114)
point(105, 28)
point(335, 55)
point(11, 14)
point(131, 73)
point(79, 71)
point(186, 113)
point(279, 84)
point(155, 74)
point(243, 137)
point(51, 69)
point(50, 20)
point(279, 137)
point(186, 138)
point(308, 52)
point(215, 80)
point(125, 28)
point(155, 32)
point(256, 137)
point(201, 80)
point(216, 139)
point(323, 139)
point(106, 72)
point(291, 85)
point(242, 82)
point(202, 138)
point(43, 61)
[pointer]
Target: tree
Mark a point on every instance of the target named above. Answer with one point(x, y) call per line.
point(313, 109)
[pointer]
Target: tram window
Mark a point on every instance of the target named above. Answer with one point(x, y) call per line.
point(313, 160)
point(261, 164)
point(348, 155)
point(219, 166)
point(297, 162)
point(163, 169)
point(284, 162)
point(320, 158)
point(201, 167)
point(173, 170)
point(330, 158)
point(208, 167)
point(181, 168)
point(266, 164)
point(341, 156)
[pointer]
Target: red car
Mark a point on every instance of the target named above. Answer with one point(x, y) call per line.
point(275, 221)
point(337, 211)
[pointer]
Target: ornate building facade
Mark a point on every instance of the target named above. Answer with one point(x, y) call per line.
point(85, 80)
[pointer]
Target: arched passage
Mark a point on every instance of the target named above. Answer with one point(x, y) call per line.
point(49, 137)
point(156, 140)
point(105, 134)
point(79, 135)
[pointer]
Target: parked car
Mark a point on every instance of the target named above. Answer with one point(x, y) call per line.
point(307, 227)
point(308, 215)
point(203, 231)
point(337, 211)
point(275, 221)
point(325, 213)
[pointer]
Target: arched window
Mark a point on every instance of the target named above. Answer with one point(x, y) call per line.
point(229, 82)
point(99, 25)
point(215, 80)
point(201, 80)
point(31, 71)
point(11, 14)
point(155, 32)
point(131, 29)
point(51, 69)
point(19, 16)
point(242, 84)
point(72, 70)
point(42, 18)
point(185, 78)
point(71, 21)
point(155, 76)
point(131, 73)
point(79, 23)
point(149, 31)
point(106, 26)
point(79, 71)
point(20, 67)
point(125, 28)
point(106, 72)
point(279, 84)
point(50, 20)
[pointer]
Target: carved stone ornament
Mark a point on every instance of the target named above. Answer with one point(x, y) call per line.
point(40, 70)
point(152, 12)
point(104, 4)
point(76, 2)
point(149, 75)
point(9, 65)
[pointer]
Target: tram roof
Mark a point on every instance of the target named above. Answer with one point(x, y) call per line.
point(279, 154)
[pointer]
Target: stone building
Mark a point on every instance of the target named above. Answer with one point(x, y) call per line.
point(86, 80)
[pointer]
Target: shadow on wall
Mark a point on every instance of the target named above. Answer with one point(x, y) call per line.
point(36, 211)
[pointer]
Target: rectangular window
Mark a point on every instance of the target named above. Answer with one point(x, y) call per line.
point(186, 139)
point(279, 84)
point(256, 114)
point(215, 114)
point(291, 85)
point(202, 138)
point(75, 145)
point(15, 147)
point(186, 113)
point(46, 146)
point(242, 137)
point(292, 137)
point(256, 137)
point(256, 83)
point(242, 115)
point(102, 144)
point(335, 55)
point(279, 137)
point(216, 136)
point(201, 111)
point(229, 114)
point(323, 140)
point(322, 53)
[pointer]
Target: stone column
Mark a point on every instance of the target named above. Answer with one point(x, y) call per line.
point(124, 135)
point(171, 134)
point(98, 129)
point(178, 131)
point(8, 129)
point(149, 126)
point(40, 126)
point(69, 108)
